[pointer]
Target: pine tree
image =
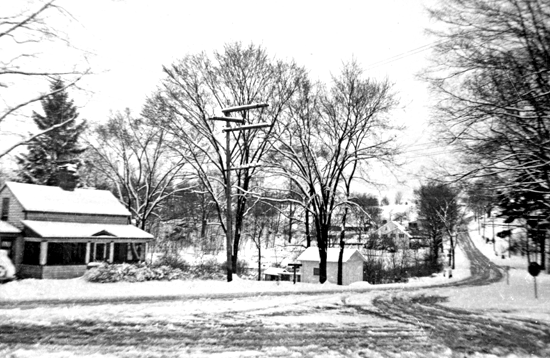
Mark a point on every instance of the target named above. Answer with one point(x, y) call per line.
point(45, 153)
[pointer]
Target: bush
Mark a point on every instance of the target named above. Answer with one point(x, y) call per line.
point(168, 267)
point(106, 273)
point(173, 261)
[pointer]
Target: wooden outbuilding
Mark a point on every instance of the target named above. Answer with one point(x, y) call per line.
point(51, 232)
point(352, 264)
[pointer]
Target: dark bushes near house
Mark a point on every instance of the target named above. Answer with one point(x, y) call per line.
point(106, 273)
point(167, 268)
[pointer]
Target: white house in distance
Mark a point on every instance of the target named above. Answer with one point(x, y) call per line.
point(397, 233)
point(54, 232)
point(352, 265)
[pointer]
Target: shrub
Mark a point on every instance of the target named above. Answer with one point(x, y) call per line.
point(173, 261)
point(106, 273)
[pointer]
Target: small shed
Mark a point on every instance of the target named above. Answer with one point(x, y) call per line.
point(352, 264)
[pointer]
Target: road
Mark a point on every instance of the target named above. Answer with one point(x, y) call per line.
point(373, 324)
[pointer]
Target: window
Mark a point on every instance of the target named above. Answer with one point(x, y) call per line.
point(31, 255)
point(316, 271)
point(5, 209)
point(401, 236)
point(66, 253)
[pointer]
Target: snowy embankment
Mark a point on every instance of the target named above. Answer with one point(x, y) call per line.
point(79, 289)
point(515, 295)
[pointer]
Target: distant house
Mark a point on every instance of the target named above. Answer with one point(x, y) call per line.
point(352, 265)
point(51, 232)
point(397, 233)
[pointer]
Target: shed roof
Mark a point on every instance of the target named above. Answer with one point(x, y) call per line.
point(44, 198)
point(7, 228)
point(312, 254)
point(52, 229)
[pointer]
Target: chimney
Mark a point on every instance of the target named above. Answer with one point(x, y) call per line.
point(67, 176)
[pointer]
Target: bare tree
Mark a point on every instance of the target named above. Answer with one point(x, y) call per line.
point(492, 75)
point(197, 88)
point(328, 134)
point(438, 213)
point(27, 37)
point(136, 158)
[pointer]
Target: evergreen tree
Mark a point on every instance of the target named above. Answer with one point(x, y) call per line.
point(45, 153)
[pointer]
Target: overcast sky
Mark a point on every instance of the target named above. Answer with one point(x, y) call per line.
point(129, 41)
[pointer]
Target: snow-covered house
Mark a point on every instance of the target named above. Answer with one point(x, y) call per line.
point(397, 232)
point(352, 265)
point(54, 232)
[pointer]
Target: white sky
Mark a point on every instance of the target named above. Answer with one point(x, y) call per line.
point(130, 41)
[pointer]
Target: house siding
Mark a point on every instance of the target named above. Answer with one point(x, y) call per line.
point(307, 271)
point(78, 218)
point(15, 214)
point(352, 271)
point(51, 272)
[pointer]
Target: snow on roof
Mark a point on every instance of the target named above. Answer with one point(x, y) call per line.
point(6, 228)
point(52, 229)
point(43, 198)
point(312, 254)
point(274, 271)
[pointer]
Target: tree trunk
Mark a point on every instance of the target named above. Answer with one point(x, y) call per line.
point(542, 243)
point(259, 262)
point(308, 234)
point(322, 244)
point(342, 245)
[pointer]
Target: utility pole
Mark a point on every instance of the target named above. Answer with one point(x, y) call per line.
point(228, 129)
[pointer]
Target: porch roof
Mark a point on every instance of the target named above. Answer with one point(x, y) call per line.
point(7, 228)
point(52, 229)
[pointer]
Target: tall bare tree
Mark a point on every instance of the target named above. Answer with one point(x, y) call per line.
point(136, 158)
point(197, 88)
point(330, 132)
point(29, 40)
point(492, 73)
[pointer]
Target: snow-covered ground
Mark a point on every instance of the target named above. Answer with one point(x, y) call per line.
point(278, 314)
point(515, 295)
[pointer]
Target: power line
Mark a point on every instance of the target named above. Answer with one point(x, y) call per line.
point(405, 54)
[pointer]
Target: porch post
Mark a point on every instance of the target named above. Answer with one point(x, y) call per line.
point(111, 252)
point(43, 253)
point(146, 249)
point(88, 251)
